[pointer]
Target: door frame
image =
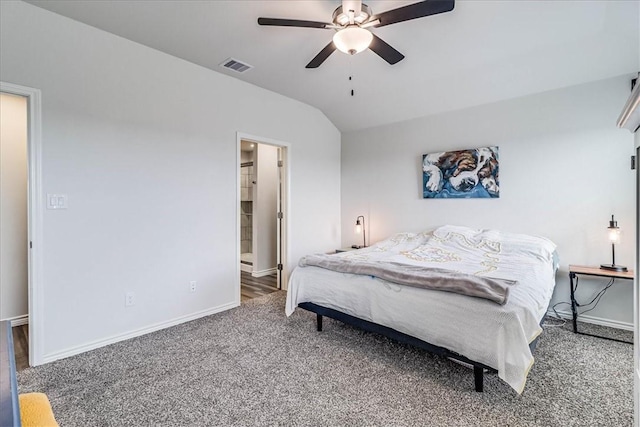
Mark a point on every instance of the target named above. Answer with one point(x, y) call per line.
point(636, 291)
point(284, 239)
point(35, 216)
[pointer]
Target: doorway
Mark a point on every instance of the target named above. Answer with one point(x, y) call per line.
point(262, 190)
point(14, 284)
point(21, 222)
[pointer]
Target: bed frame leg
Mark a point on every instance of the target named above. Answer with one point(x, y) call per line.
point(478, 376)
point(319, 322)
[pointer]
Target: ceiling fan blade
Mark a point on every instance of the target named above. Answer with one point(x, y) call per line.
point(413, 11)
point(277, 22)
point(370, 24)
point(322, 56)
point(385, 51)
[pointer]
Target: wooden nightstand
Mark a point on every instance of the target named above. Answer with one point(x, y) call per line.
point(574, 271)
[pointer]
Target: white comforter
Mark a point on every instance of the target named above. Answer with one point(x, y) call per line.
point(495, 335)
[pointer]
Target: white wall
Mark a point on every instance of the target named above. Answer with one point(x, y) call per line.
point(13, 206)
point(144, 145)
point(265, 209)
point(564, 169)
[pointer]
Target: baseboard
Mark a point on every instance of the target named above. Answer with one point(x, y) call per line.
point(246, 268)
point(18, 320)
point(136, 333)
point(595, 320)
point(264, 272)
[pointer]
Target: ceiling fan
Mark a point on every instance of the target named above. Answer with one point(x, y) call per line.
point(352, 21)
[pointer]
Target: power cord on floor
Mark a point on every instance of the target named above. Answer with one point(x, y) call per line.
point(556, 317)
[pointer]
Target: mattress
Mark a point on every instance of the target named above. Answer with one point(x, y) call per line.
point(481, 330)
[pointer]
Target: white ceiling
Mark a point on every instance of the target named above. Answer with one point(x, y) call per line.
point(481, 52)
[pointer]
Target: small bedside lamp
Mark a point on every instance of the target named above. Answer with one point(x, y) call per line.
point(614, 238)
point(360, 229)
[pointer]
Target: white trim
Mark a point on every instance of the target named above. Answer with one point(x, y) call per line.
point(595, 320)
point(263, 273)
point(246, 268)
point(636, 293)
point(36, 218)
point(135, 333)
point(237, 213)
point(18, 320)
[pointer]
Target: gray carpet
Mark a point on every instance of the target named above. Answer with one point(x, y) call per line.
point(252, 366)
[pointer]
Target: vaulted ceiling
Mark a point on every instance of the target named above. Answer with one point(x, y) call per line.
point(481, 52)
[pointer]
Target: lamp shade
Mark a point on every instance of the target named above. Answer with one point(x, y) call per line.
point(614, 235)
point(613, 231)
point(352, 39)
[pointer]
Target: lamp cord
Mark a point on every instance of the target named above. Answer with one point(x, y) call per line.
point(597, 297)
point(595, 300)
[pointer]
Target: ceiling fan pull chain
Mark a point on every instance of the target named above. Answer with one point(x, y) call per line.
point(351, 75)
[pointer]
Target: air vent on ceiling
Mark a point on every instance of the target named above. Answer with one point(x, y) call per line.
point(235, 65)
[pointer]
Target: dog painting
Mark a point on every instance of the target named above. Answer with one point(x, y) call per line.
point(461, 174)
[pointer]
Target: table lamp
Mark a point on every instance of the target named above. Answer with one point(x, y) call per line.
point(360, 229)
point(614, 238)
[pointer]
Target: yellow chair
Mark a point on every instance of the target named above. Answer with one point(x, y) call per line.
point(35, 411)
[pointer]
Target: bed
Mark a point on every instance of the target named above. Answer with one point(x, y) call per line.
point(489, 335)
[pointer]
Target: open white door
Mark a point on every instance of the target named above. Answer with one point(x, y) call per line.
point(281, 209)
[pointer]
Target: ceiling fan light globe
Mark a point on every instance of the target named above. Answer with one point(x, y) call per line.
point(352, 39)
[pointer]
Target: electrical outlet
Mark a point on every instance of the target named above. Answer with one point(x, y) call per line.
point(192, 285)
point(129, 299)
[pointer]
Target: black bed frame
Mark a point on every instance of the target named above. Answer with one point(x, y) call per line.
point(478, 368)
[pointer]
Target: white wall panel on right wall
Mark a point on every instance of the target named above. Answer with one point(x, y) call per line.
point(564, 169)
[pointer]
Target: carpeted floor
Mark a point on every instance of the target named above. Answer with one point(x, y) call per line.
point(252, 366)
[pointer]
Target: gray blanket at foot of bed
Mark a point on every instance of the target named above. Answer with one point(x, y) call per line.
point(496, 290)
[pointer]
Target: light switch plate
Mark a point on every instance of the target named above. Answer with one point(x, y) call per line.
point(56, 201)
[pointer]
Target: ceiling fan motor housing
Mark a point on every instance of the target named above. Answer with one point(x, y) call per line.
point(342, 18)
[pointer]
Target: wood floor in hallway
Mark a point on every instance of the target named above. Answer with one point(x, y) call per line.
point(253, 287)
point(21, 346)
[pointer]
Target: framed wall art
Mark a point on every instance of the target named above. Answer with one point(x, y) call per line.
point(465, 174)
